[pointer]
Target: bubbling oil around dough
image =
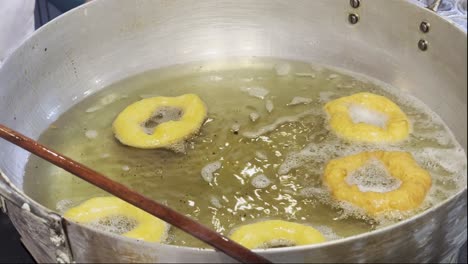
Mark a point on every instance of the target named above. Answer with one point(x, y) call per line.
point(373, 177)
point(237, 170)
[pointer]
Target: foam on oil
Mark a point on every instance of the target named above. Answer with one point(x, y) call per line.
point(259, 155)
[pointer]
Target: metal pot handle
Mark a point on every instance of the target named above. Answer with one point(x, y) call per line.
point(435, 5)
point(34, 221)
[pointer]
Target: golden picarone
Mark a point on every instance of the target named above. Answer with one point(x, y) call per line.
point(129, 126)
point(415, 182)
point(271, 232)
point(148, 227)
point(397, 127)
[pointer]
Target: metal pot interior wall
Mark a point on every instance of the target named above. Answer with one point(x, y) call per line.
point(108, 40)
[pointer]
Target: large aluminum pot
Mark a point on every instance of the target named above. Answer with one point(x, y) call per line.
point(108, 40)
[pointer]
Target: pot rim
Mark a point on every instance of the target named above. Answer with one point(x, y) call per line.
point(40, 207)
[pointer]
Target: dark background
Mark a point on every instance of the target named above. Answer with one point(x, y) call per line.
point(11, 249)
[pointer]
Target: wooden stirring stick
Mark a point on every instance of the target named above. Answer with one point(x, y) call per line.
point(165, 213)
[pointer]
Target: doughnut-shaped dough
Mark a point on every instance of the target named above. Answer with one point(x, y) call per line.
point(272, 232)
point(129, 126)
point(415, 182)
point(148, 227)
point(397, 127)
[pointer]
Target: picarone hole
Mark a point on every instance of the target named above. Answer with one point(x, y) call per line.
point(362, 114)
point(373, 176)
point(116, 224)
point(161, 115)
point(279, 243)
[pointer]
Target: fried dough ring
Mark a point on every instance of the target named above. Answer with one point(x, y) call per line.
point(148, 227)
point(129, 126)
point(271, 232)
point(415, 182)
point(397, 127)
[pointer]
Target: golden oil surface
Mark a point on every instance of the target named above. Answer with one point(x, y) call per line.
point(276, 175)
